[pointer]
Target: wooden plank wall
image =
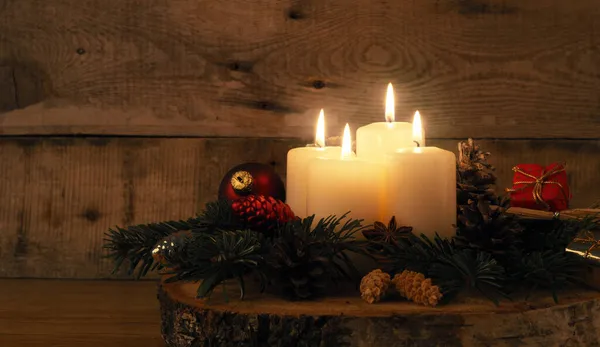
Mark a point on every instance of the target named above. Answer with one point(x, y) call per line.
point(129, 111)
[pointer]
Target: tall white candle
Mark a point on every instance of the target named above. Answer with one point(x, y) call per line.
point(424, 182)
point(346, 184)
point(297, 167)
point(374, 140)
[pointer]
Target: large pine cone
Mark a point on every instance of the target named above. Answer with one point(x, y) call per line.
point(482, 221)
point(486, 227)
point(416, 288)
point(262, 213)
point(297, 269)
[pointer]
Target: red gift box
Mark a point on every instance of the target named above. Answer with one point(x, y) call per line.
point(540, 188)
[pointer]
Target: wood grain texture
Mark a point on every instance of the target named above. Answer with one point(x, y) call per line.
point(482, 68)
point(8, 97)
point(346, 319)
point(79, 313)
point(60, 195)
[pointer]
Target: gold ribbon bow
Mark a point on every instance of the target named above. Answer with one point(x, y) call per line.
point(538, 184)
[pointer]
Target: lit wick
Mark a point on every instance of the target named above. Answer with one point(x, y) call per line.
point(417, 129)
point(320, 135)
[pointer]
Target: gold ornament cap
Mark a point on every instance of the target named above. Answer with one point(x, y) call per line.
point(242, 182)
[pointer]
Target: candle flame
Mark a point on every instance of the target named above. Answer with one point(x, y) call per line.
point(417, 129)
point(346, 143)
point(320, 135)
point(389, 104)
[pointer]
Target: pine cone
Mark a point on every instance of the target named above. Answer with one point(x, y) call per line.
point(297, 274)
point(374, 286)
point(416, 288)
point(260, 212)
point(482, 221)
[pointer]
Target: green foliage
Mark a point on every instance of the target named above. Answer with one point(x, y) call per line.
point(214, 258)
point(304, 255)
point(493, 252)
point(468, 269)
point(450, 267)
point(303, 261)
point(417, 253)
point(218, 215)
point(548, 269)
point(135, 243)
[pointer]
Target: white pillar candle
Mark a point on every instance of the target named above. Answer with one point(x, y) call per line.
point(297, 168)
point(374, 140)
point(423, 180)
point(346, 184)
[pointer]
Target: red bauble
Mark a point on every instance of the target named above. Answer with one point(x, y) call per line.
point(251, 179)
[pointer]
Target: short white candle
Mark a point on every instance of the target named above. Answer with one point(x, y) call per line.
point(423, 180)
point(374, 140)
point(346, 184)
point(297, 168)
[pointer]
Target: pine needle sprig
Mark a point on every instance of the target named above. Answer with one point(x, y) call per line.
point(548, 270)
point(468, 269)
point(134, 244)
point(417, 253)
point(329, 228)
point(218, 215)
point(214, 258)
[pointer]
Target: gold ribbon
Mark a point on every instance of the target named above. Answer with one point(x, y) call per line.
point(538, 184)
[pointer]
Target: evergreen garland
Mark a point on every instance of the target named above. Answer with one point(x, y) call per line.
point(493, 253)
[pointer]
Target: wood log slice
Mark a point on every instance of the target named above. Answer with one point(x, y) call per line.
point(346, 320)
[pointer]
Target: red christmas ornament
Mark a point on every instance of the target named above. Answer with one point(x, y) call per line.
point(251, 179)
point(541, 188)
point(260, 212)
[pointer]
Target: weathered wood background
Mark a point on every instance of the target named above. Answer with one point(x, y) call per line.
point(128, 111)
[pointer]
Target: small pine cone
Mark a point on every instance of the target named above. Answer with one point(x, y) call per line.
point(262, 212)
point(374, 286)
point(416, 288)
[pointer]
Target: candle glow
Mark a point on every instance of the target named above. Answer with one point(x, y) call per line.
point(347, 143)
point(417, 129)
point(374, 140)
point(390, 105)
point(320, 134)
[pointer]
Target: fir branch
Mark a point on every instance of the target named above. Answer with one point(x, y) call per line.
point(218, 215)
point(417, 253)
point(450, 267)
point(468, 269)
point(134, 244)
point(214, 258)
point(547, 270)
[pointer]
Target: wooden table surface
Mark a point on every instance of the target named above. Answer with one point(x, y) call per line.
point(61, 313)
